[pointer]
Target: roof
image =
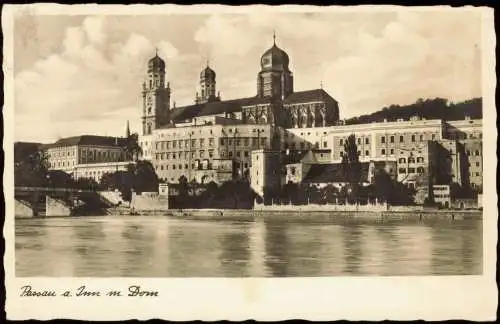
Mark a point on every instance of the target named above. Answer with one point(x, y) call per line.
point(88, 140)
point(308, 96)
point(214, 107)
point(333, 172)
point(231, 106)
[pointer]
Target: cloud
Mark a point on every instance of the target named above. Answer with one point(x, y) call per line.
point(91, 80)
point(365, 60)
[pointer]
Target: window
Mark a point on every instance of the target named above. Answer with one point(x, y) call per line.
point(292, 170)
point(411, 170)
point(367, 141)
point(238, 153)
point(180, 166)
point(402, 170)
point(392, 139)
point(202, 142)
point(173, 167)
point(367, 153)
point(392, 151)
point(316, 145)
point(210, 153)
point(433, 136)
point(383, 151)
point(174, 144)
point(477, 164)
point(476, 152)
point(401, 139)
point(173, 155)
point(413, 138)
point(421, 138)
point(341, 142)
point(359, 141)
point(222, 141)
point(382, 140)
point(230, 154)
point(420, 170)
point(420, 159)
point(325, 144)
point(468, 152)
point(245, 141)
point(411, 160)
point(246, 153)
point(202, 154)
point(359, 153)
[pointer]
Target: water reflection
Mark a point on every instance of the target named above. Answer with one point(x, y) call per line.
point(162, 247)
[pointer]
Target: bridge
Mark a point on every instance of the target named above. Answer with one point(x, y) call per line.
point(45, 201)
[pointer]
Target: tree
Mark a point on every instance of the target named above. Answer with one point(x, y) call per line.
point(60, 179)
point(87, 184)
point(351, 166)
point(383, 186)
point(329, 194)
point(30, 165)
point(132, 148)
point(144, 177)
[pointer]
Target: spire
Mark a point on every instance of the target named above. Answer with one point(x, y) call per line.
point(274, 37)
point(321, 84)
point(127, 131)
point(156, 50)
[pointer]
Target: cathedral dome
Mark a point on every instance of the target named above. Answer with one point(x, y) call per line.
point(155, 64)
point(275, 59)
point(207, 73)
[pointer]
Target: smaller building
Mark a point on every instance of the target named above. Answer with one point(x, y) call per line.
point(97, 170)
point(442, 195)
point(265, 170)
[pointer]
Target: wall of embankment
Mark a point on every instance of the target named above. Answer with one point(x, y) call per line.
point(250, 215)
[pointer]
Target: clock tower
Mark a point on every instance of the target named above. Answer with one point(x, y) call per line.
point(155, 97)
point(275, 78)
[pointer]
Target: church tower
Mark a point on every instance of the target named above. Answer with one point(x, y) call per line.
point(207, 86)
point(155, 96)
point(275, 78)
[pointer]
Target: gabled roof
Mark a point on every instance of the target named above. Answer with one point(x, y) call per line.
point(215, 107)
point(88, 140)
point(333, 172)
point(308, 96)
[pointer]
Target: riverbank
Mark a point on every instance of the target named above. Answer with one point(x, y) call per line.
point(251, 215)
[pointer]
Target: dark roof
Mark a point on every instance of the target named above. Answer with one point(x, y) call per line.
point(308, 96)
point(231, 106)
point(88, 140)
point(214, 107)
point(333, 172)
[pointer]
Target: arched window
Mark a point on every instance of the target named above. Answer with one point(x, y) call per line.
point(476, 152)
point(420, 159)
point(402, 160)
point(420, 170)
point(411, 160)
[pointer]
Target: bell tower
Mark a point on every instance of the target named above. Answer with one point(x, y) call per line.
point(207, 86)
point(155, 97)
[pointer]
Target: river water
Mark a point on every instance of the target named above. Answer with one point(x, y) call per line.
point(157, 246)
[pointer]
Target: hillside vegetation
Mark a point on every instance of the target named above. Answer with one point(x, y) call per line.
point(437, 108)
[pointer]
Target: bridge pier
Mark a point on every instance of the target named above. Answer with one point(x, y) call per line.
point(56, 207)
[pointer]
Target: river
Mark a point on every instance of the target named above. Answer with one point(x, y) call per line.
point(157, 246)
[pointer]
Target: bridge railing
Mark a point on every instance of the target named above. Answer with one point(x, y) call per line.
point(34, 189)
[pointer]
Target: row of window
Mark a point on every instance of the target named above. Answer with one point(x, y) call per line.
point(418, 170)
point(476, 152)
point(245, 141)
point(194, 166)
point(201, 155)
point(421, 138)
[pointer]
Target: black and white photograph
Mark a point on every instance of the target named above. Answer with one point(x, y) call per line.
point(253, 143)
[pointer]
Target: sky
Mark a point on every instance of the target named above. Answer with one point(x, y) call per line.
point(79, 75)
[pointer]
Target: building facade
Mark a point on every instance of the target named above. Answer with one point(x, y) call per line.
point(215, 152)
point(86, 155)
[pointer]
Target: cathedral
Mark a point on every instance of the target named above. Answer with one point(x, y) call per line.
point(275, 103)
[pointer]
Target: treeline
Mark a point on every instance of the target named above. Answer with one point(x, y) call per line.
point(437, 108)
